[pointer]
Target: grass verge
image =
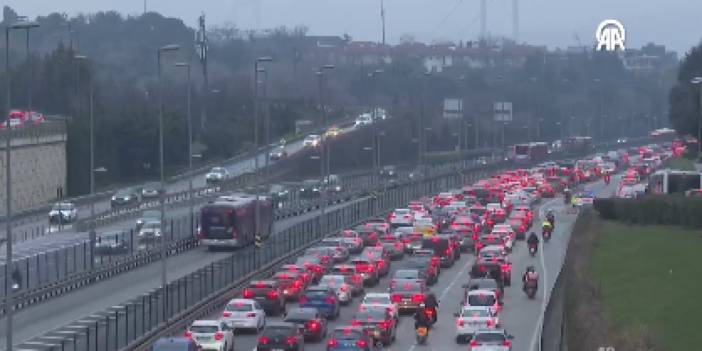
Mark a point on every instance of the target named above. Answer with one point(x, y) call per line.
point(648, 279)
point(683, 163)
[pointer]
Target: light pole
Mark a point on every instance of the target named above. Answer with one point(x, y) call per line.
point(164, 264)
point(420, 122)
point(698, 81)
point(8, 182)
point(91, 124)
point(323, 156)
point(533, 113)
point(29, 64)
point(190, 143)
point(374, 117)
point(257, 211)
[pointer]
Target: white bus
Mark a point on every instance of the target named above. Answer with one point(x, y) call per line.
point(674, 182)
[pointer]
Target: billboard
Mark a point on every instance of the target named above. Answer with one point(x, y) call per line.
point(453, 108)
point(502, 111)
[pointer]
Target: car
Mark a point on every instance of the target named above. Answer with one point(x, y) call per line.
point(507, 236)
point(216, 175)
point(124, 197)
point(408, 294)
point(369, 235)
point(340, 250)
point(441, 247)
point(268, 293)
point(312, 324)
point(244, 314)
point(314, 266)
point(380, 257)
point(389, 173)
point(111, 243)
point(299, 270)
point(63, 212)
point(279, 153)
point(332, 132)
point(482, 284)
point(489, 240)
point(349, 338)
point(380, 225)
point(394, 246)
point(281, 336)
point(147, 216)
point(483, 298)
point(383, 300)
point(378, 323)
point(151, 190)
point(352, 239)
point(491, 340)
point(363, 120)
point(401, 217)
point(292, 284)
point(425, 267)
point(310, 189)
point(312, 141)
point(350, 271)
point(341, 285)
point(15, 123)
point(469, 319)
point(150, 231)
point(324, 253)
point(211, 335)
point(175, 344)
point(333, 184)
point(493, 263)
point(412, 241)
point(323, 298)
point(368, 270)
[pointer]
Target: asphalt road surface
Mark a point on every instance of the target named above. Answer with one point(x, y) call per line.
point(521, 317)
point(60, 311)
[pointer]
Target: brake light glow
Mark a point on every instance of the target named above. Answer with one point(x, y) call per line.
point(329, 300)
point(297, 284)
point(188, 334)
point(356, 323)
point(263, 340)
point(385, 324)
point(303, 300)
point(219, 336)
point(473, 343)
point(507, 343)
point(362, 343)
point(332, 343)
point(226, 314)
point(418, 298)
point(459, 322)
point(291, 340)
point(248, 294)
point(272, 295)
point(395, 298)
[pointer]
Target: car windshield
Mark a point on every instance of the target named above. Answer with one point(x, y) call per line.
point(475, 312)
point(277, 332)
point(239, 307)
point(481, 300)
point(299, 316)
point(406, 274)
point(124, 193)
point(332, 280)
point(377, 299)
point(63, 206)
point(489, 337)
point(347, 334)
point(371, 314)
point(204, 329)
point(151, 214)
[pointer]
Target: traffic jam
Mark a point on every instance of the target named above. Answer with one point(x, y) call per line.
point(388, 266)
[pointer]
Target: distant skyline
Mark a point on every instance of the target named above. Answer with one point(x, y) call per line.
point(674, 23)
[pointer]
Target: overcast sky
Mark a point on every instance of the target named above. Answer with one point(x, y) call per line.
point(674, 23)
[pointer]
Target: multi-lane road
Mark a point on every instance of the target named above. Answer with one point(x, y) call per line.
point(521, 317)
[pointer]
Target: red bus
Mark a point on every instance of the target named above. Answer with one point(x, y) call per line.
point(529, 152)
point(229, 221)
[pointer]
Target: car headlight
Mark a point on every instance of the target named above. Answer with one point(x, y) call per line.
point(338, 188)
point(114, 198)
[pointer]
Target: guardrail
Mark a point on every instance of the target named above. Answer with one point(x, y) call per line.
point(209, 287)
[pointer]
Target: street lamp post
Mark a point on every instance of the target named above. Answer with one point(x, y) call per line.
point(420, 123)
point(698, 81)
point(92, 164)
point(164, 265)
point(374, 117)
point(323, 154)
point(257, 211)
point(190, 143)
point(8, 183)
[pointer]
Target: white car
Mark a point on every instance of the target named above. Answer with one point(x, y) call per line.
point(471, 319)
point(216, 174)
point(340, 284)
point(506, 236)
point(244, 314)
point(312, 141)
point(211, 335)
point(150, 231)
point(63, 212)
point(491, 340)
point(363, 120)
point(483, 298)
point(381, 299)
point(401, 217)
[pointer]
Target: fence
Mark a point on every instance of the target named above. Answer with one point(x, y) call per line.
point(136, 322)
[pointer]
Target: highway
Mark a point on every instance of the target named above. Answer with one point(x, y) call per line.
point(521, 317)
point(38, 319)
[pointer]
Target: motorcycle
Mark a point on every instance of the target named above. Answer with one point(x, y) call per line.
point(546, 234)
point(431, 313)
point(530, 289)
point(422, 334)
point(606, 179)
point(532, 250)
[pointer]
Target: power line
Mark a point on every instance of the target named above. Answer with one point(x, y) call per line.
point(448, 15)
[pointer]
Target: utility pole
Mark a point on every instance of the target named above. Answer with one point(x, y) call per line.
point(515, 20)
point(382, 18)
point(483, 19)
point(203, 48)
point(257, 211)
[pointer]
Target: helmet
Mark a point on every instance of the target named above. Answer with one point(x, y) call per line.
point(530, 269)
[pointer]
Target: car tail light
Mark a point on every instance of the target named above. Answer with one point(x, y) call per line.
point(332, 343)
point(482, 268)
point(343, 288)
point(459, 322)
point(272, 295)
point(297, 284)
point(522, 228)
point(251, 315)
point(219, 336)
point(431, 270)
point(362, 343)
point(263, 340)
point(356, 278)
point(507, 343)
point(188, 334)
point(435, 260)
point(489, 323)
point(473, 343)
point(303, 300)
point(248, 294)
point(505, 268)
point(385, 324)
point(447, 252)
point(418, 298)
point(312, 325)
point(395, 298)
point(380, 263)
point(355, 322)
point(226, 314)
point(291, 340)
point(329, 300)
point(475, 237)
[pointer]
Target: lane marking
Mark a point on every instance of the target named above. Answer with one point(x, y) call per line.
point(537, 331)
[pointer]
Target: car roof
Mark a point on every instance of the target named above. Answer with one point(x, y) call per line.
point(241, 301)
point(280, 325)
point(377, 294)
point(481, 292)
point(303, 310)
point(205, 322)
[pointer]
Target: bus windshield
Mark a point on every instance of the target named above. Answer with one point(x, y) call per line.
point(217, 222)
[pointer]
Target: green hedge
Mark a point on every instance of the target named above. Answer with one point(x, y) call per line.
point(666, 210)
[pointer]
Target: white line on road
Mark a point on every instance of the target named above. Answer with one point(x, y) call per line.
point(537, 330)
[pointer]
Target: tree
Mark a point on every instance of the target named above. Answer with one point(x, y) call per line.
point(684, 97)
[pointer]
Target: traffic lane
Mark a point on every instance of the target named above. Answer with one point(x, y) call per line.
point(40, 318)
point(447, 289)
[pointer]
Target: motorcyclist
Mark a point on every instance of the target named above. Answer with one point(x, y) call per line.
point(432, 303)
point(530, 276)
point(551, 218)
point(421, 319)
point(546, 225)
point(566, 195)
point(533, 239)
